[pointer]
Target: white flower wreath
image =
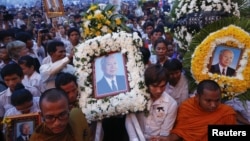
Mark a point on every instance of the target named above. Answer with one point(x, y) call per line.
point(123, 103)
point(184, 7)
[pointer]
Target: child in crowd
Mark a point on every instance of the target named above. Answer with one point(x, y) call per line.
point(162, 108)
point(32, 77)
point(23, 102)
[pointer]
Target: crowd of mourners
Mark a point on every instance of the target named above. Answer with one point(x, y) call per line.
point(37, 75)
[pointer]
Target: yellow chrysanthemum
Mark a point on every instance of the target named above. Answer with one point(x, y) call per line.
point(231, 86)
point(98, 33)
point(93, 7)
point(99, 26)
point(118, 21)
point(89, 17)
point(107, 22)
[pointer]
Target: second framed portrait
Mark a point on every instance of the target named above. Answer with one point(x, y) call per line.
point(225, 60)
point(110, 75)
point(53, 8)
point(20, 128)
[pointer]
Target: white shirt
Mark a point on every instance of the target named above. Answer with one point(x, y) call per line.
point(50, 70)
point(221, 69)
point(34, 109)
point(180, 91)
point(34, 82)
point(110, 82)
point(159, 122)
point(5, 103)
point(237, 105)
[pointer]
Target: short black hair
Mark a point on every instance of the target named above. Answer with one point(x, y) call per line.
point(145, 54)
point(148, 23)
point(4, 34)
point(173, 65)
point(155, 74)
point(53, 44)
point(23, 36)
point(73, 29)
point(11, 69)
point(64, 78)
point(20, 95)
point(53, 95)
point(29, 61)
point(161, 40)
point(208, 85)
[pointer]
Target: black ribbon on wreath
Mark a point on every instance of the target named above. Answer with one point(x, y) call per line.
point(198, 20)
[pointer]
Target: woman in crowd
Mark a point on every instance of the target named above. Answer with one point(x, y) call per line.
point(30, 69)
point(161, 50)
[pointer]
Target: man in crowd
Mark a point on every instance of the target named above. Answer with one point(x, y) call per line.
point(177, 87)
point(67, 83)
point(225, 59)
point(196, 113)
point(59, 63)
point(60, 123)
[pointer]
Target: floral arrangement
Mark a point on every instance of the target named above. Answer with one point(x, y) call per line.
point(182, 8)
point(6, 124)
point(231, 36)
point(101, 19)
point(123, 103)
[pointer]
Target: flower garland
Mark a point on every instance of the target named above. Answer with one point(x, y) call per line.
point(231, 36)
point(123, 103)
point(101, 19)
point(182, 8)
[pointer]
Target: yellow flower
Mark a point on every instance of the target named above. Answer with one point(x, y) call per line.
point(93, 7)
point(107, 22)
point(89, 17)
point(98, 33)
point(118, 21)
point(110, 12)
point(99, 16)
point(99, 26)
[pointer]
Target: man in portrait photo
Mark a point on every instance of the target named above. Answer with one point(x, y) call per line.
point(25, 134)
point(110, 82)
point(226, 57)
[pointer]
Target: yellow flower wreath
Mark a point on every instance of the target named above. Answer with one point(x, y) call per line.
point(231, 36)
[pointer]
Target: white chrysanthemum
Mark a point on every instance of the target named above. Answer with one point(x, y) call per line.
point(104, 29)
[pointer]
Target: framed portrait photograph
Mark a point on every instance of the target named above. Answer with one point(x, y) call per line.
point(53, 8)
point(225, 60)
point(110, 75)
point(21, 127)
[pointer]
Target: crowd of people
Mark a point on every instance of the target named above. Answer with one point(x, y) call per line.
point(37, 75)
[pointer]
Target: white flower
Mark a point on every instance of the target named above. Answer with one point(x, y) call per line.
point(104, 29)
point(97, 12)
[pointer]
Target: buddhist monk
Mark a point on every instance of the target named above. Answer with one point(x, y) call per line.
point(196, 113)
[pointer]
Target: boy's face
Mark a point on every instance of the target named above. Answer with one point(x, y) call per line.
point(156, 90)
point(12, 80)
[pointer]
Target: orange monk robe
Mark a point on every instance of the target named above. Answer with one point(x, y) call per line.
point(192, 122)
